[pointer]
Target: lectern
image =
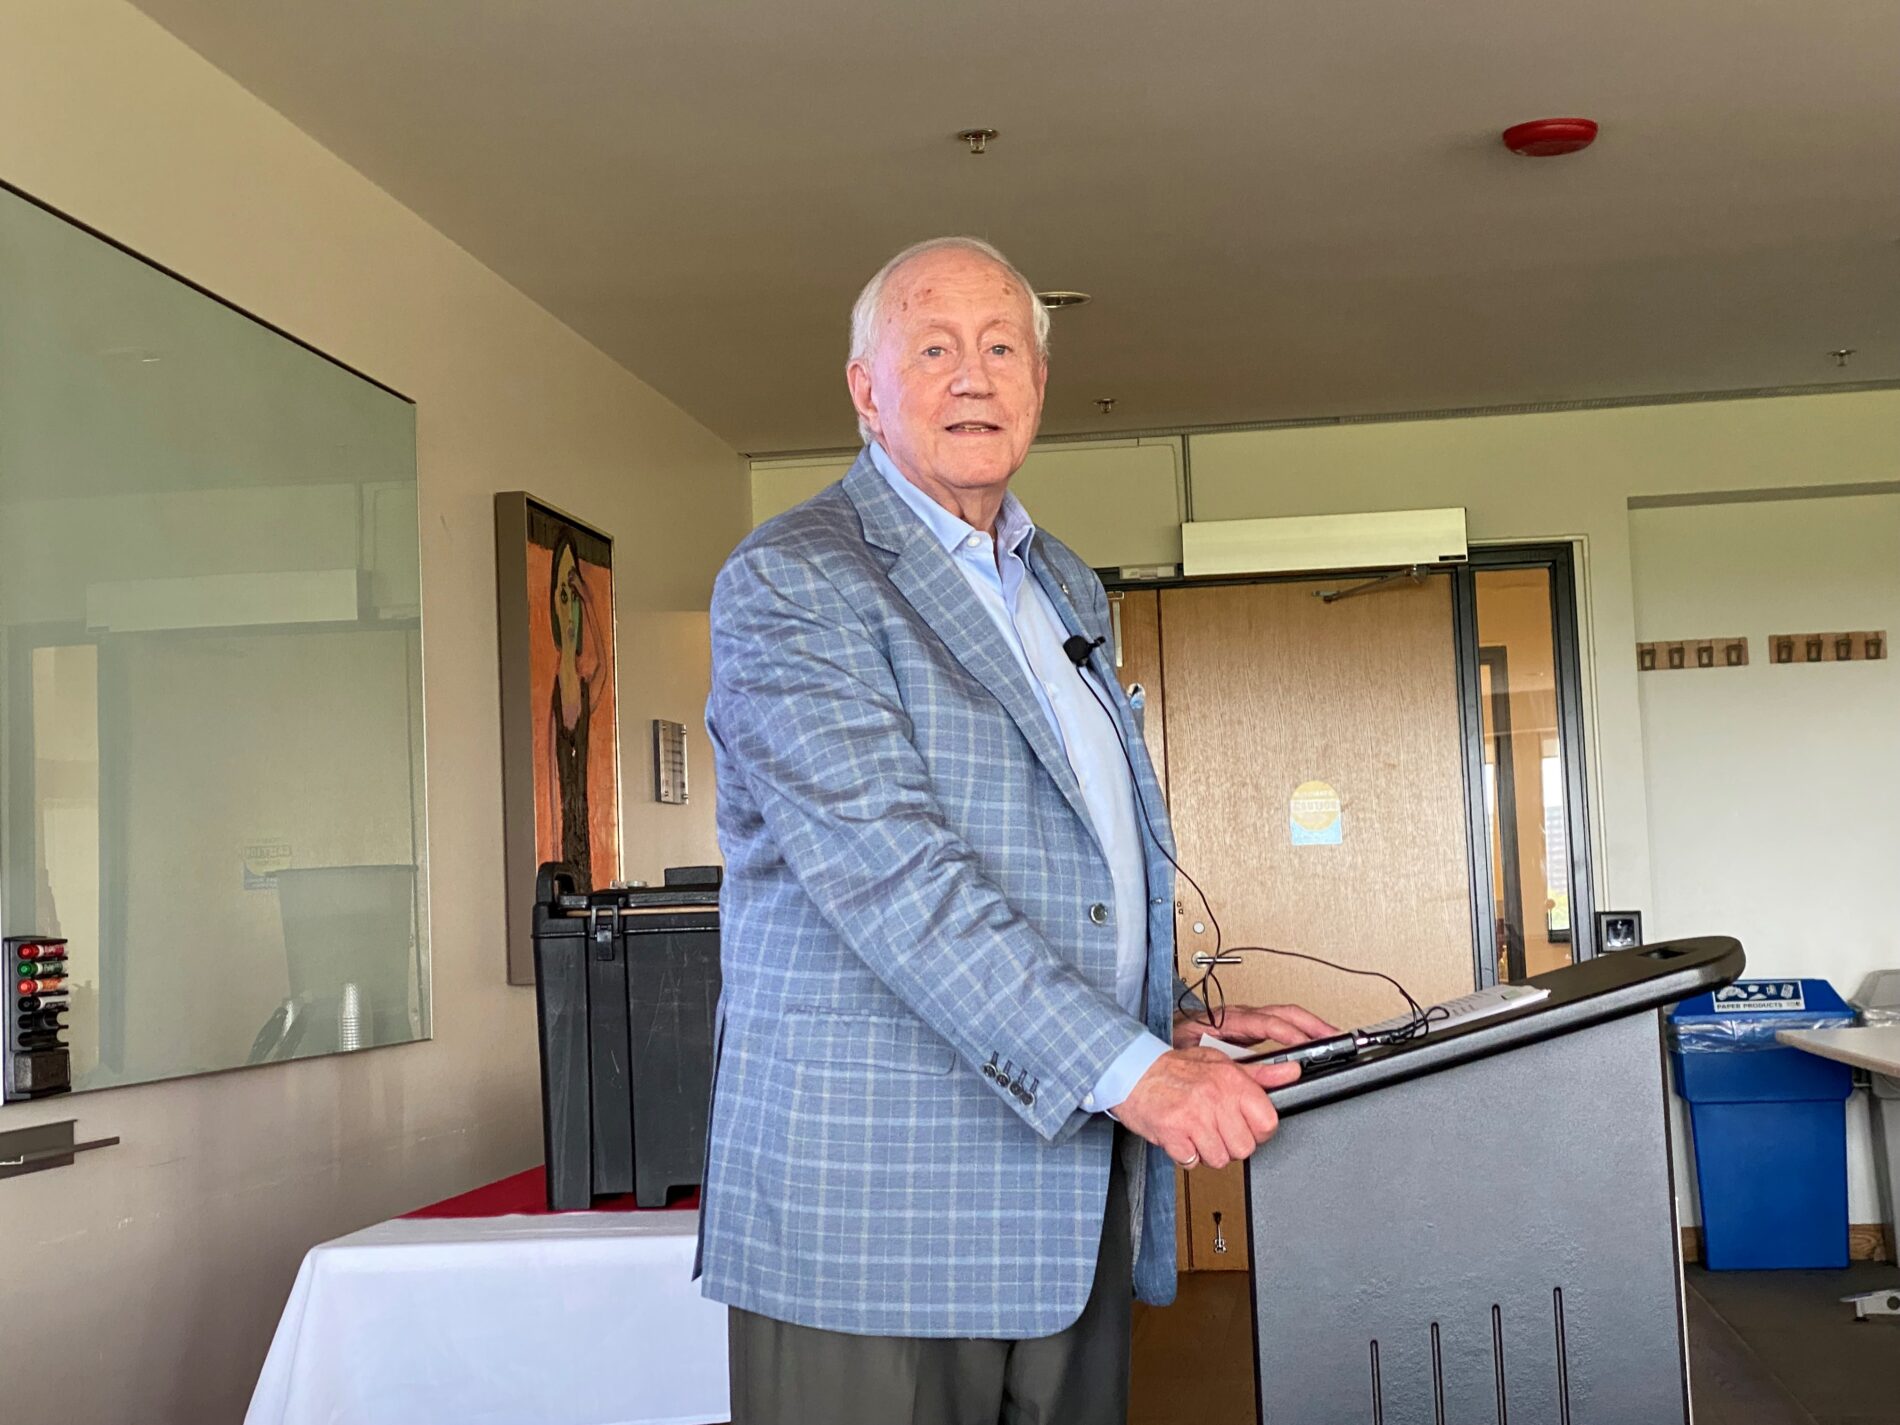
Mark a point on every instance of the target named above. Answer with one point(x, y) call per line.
point(1479, 1224)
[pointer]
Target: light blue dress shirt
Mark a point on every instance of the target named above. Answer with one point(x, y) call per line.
point(1017, 604)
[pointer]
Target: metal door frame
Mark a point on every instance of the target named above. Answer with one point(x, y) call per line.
point(1559, 559)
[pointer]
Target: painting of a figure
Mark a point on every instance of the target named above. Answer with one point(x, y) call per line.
point(556, 604)
point(570, 594)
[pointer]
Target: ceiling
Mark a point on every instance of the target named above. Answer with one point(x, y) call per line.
point(1283, 210)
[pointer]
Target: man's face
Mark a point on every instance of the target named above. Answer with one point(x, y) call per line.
point(953, 388)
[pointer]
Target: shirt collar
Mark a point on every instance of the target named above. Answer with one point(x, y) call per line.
point(1014, 528)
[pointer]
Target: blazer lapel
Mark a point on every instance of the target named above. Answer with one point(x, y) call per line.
point(926, 575)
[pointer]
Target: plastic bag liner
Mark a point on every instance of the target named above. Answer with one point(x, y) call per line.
point(1741, 1034)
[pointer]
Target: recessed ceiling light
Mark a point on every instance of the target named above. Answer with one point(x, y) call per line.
point(1056, 297)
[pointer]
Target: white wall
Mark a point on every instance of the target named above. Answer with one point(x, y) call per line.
point(169, 1256)
point(1119, 502)
point(665, 672)
point(1772, 812)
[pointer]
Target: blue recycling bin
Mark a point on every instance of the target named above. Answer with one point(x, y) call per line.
point(1769, 1123)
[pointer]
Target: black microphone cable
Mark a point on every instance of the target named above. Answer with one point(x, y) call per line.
point(1208, 987)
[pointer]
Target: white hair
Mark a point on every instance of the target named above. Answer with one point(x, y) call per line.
point(866, 311)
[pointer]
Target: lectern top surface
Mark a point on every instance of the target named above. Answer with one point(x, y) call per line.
point(1608, 987)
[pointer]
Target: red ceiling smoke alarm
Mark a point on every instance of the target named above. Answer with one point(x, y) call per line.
point(1546, 138)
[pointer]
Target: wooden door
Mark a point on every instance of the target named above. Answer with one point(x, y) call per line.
point(1137, 619)
point(1277, 707)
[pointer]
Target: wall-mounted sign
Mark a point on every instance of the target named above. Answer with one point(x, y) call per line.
point(1313, 815)
point(1692, 653)
point(1827, 647)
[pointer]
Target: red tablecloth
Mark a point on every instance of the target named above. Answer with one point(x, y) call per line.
point(526, 1194)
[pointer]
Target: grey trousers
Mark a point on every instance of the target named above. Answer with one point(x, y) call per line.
point(798, 1375)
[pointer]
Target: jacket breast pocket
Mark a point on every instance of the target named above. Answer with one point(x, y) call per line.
point(822, 1038)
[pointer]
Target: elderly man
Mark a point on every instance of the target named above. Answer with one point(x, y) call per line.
point(948, 1020)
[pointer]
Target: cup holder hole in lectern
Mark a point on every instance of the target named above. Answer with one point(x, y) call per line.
point(1661, 952)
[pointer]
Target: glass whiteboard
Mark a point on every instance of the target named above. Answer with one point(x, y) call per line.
point(210, 671)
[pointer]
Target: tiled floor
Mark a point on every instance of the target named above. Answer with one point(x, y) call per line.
point(1765, 1348)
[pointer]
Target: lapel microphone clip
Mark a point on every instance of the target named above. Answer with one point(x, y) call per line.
point(1078, 648)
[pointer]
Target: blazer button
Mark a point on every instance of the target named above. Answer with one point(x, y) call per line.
point(1029, 1099)
point(1099, 913)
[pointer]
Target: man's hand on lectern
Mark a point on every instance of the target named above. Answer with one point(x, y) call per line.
point(1199, 1106)
point(1285, 1024)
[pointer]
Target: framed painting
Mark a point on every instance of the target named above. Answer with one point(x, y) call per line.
point(560, 754)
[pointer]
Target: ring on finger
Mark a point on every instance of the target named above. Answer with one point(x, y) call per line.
point(1190, 1160)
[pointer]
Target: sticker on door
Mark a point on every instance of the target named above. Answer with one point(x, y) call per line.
point(1314, 816)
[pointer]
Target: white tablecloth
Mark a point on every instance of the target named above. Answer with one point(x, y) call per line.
point(581, 1319)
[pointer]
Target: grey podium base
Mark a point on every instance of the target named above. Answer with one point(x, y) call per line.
point(1491, 1242)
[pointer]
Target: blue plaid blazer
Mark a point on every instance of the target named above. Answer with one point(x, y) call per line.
point(919, 971)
